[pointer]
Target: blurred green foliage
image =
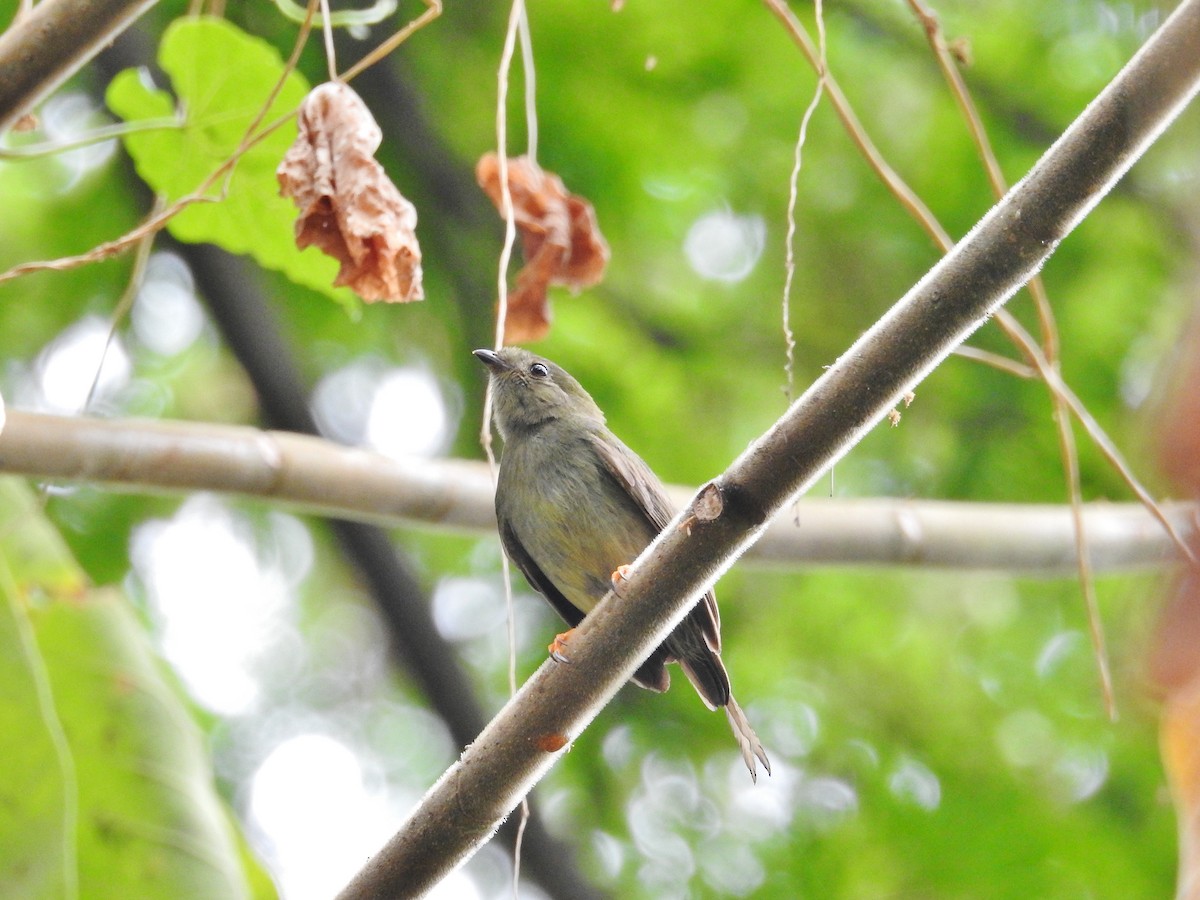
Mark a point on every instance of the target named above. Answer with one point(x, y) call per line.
point(108, 789)
point(934, 734)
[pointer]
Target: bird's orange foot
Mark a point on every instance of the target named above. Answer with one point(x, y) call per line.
point(559, 645)
point(619, 574)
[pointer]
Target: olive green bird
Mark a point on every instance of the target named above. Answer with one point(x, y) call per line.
point(574, 505)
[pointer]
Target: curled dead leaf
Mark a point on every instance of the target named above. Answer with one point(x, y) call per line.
point(560, 241)
point(349, 209)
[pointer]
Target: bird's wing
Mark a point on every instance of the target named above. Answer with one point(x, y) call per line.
point(640, 483)
point(571, 613)
point(652, 675)
point(636, 478)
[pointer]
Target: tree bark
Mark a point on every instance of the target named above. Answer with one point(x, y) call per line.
point(41, 50)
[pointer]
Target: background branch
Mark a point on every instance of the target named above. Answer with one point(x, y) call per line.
point(318, 476)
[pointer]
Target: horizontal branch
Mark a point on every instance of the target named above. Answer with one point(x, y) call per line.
point(318, 476)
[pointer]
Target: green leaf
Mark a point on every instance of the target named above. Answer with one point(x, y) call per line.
point(108, 789)
point(37, 845)
point(222, 77)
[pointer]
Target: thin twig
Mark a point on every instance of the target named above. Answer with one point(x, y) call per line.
point(929, 223)
point(858, 135)
point(434, 9)
point(966, 103)
point(789, 264)
point(996, 361)
point(136, 277)
point(1098, 435)
point(1087, 579)
point(156, 221)
point(1066, 439)
point(96, 136)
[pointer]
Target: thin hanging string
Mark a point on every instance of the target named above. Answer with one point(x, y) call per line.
point(517, 23)
point(327, 30)
point(789, 265)
point(527, 69)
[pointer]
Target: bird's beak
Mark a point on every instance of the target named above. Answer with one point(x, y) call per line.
point(491, 359)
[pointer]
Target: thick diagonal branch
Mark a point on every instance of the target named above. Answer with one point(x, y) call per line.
point(42, 49)
point(1003, 251)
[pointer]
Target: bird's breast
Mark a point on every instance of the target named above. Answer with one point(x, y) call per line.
point(573, 519)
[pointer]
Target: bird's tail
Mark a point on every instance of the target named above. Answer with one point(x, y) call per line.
point(707, 674)
point(748, 741)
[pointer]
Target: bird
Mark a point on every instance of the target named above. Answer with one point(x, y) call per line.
point(574, 505)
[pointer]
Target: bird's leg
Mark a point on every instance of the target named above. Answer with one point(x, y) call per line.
point(559, 645)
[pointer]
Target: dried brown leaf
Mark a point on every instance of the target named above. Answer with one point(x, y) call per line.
point(560, 241)
point(349, 208)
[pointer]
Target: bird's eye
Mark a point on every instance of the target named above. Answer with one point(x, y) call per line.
point(539, 370)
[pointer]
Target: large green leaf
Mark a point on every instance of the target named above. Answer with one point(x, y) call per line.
point(108, 789)
point(222, 77)
point(37, 846)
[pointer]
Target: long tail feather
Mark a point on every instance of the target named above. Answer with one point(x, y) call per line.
point(747, 740)
point(708, 676)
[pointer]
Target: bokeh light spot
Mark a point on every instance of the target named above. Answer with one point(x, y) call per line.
point(916, 783)
point(309, 798)
point(218, 606)
point(167, 318)
point(67, 367)
point(722, 246)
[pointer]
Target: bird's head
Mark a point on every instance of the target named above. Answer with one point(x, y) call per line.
point(529, 391)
